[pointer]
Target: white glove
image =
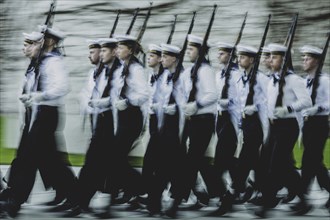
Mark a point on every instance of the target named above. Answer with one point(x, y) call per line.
point(42, 28)
point(310, 111)
point(34, 99)
point(24, 97)
point(250, 109)
point(224, 103)
point(99, 103)
point(121, 105)
point(170, 109)
point(154, 107)
point(190, 108)
point(280, 112)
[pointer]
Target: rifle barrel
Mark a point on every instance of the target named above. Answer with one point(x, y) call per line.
point(144, 26)
point(133, 21)
point(319, 69)
point(183, 50)
point(224, 92)
point(285, 61)
point(169, 40)
point(204, 46)
point(253, 78)
point(115, 24)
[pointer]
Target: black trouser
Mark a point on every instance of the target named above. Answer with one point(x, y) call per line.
point(315, 134)
point(22, 147)
point(199, 129)
point(169, 162)
point(276, 160)
point(40, 152)
point(225, 149)
point(93, 175)
point(130, 123)
point(152, 154)
point(249, 156)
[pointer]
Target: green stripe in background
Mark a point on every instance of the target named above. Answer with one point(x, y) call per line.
point(8, 154)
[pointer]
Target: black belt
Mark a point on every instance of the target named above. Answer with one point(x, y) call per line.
point(202, 116)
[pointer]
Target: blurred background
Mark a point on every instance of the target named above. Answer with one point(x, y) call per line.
point(85, 19)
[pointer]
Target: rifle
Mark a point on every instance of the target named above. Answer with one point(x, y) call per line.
point(284, 66)
point(183, 50)
point(133, 21)
point(254, 71)
point(115, 24)
point(319, 69)
point(144, 26)
point(224, 92)
point(49, 20)
point(290, 64)
point(139, 38)
point(35, 62)
point(48, 23)
point(169, 40)
point(101, 64)
point(203, 50)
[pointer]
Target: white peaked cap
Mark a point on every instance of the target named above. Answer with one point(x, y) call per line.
point(92, 43)
point(52, 31)
point(195, 39)
point(246, 50)
point(277, 48)
point(311, 50)
point(223, 45)
point(126, 37)
point(265, 49)
point(170, 49)
point(102, 41)
point(33, 36)
point(154, 48)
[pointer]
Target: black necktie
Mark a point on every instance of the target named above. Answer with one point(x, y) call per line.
point(170, 77)
point(276, 78)
point(222, 73)
point(309, 82)
point(124, 76)
point(192, 95)
point(153, 79)
point(245, 78)
point(106, 90)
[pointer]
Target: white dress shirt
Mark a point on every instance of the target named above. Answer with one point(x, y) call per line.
point(206, 91)
point(137, 91)
point(54, 81)
point(259, 98)
point(86, 94)
point(233, 107)
point(322, 94)
point(295, 95)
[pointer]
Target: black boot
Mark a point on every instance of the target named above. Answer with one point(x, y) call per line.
point(262, 212)
point(225, 207)
point(289, 198)
point(11, 207)
point(203, 197)
point(73, 212)
point(60, 197)
point(172, 211)
point(134, 204)
point(327, 204)
point(63, 207)
point(5, 194)
point(301, 208)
